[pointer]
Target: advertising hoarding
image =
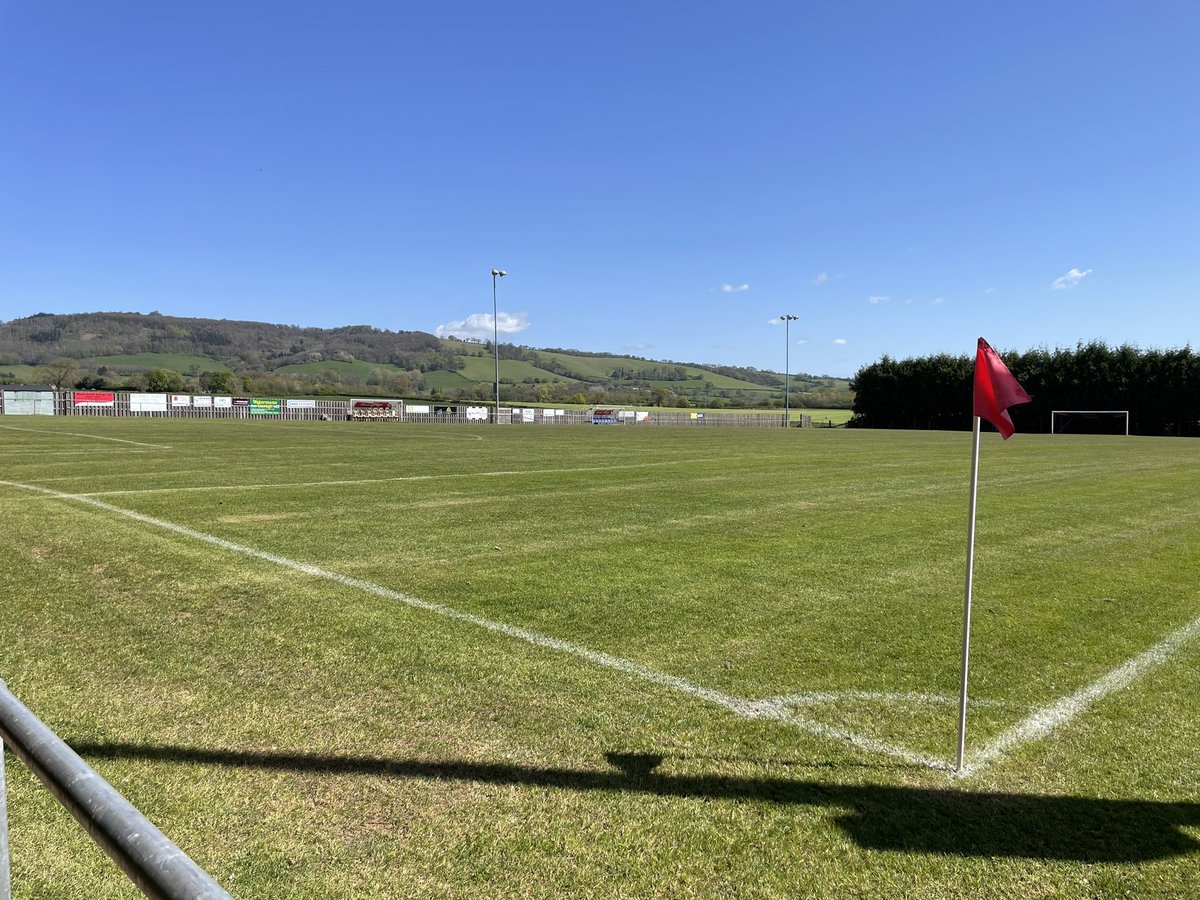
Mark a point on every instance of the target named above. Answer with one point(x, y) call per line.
point(147, 403)
point(262, 406)
point(95, 398)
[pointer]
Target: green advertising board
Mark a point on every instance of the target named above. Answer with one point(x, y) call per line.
point(261, 407)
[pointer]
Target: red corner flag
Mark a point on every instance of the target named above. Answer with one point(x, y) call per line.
point(996, 389)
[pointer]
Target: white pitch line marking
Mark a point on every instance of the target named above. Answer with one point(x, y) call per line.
point(98, 437)
point(741, 706)
point(1050, 718)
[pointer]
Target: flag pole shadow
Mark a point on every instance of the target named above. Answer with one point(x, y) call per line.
point(890, 818)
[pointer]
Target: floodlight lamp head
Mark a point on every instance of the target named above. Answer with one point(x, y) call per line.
point(498, 273)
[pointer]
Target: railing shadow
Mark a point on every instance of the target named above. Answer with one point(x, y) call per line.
point(876, 817)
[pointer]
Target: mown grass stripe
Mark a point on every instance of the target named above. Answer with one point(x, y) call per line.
point(344, 482)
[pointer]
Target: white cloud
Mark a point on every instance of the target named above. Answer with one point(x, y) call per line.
point(877, 299)
point(801, 342)
point(823, 278)
point(840, 341)
point(938, 301)
point(633, 348)
point(1068, 281)
point(479, 325)
point(774, 321)
point(734, 288)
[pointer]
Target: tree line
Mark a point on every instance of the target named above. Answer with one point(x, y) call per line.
point(1160, 388)
point(245, 346)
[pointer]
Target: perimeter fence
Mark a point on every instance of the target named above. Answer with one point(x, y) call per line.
point(35, 400)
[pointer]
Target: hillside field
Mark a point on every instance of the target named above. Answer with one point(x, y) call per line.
point(337, 659)
point(139, 362)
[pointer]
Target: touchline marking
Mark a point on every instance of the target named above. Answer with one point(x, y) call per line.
point(98, 437)
point(1057, 714)
point(741, 706)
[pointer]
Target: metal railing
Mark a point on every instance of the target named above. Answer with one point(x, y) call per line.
point(148, 857)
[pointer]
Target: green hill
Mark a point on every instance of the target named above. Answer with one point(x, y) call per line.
point(116, 350)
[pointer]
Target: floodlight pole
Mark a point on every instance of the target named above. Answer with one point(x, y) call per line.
point(787, 367)
point(496, 273)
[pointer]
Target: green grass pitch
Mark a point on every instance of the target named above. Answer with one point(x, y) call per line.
point(338, 659)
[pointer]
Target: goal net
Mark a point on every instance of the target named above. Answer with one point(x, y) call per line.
point(1089, 421)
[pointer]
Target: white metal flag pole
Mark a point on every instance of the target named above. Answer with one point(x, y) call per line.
point(966, 654)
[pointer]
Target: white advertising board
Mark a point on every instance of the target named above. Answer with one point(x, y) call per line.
point(417, 409)
point(301, 404)
point(475, 413)
point(223, 402)
point(202, 401)
point(181, 400)
point(147, 403)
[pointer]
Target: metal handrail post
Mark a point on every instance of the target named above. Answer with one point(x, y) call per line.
point(147, 856)
point(5, 876)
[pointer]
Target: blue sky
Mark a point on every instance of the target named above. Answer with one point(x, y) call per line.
point(664, 179)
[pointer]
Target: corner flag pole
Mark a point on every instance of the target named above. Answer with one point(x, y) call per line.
point(993, 391)
point(966, 653)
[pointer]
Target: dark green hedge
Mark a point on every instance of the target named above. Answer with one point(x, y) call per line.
point(1160, 388)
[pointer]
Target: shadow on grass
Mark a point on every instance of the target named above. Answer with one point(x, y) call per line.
point(876, 817)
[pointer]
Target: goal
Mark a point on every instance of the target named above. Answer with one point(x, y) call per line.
point(1089, 421)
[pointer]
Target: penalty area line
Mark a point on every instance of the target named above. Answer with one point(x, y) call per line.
point(772, 710)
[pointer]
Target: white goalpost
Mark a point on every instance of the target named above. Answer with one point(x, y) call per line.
point(1061, 420)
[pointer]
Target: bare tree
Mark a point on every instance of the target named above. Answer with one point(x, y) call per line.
point(60, 372)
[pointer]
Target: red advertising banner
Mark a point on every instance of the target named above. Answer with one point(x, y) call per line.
point(94, 398)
